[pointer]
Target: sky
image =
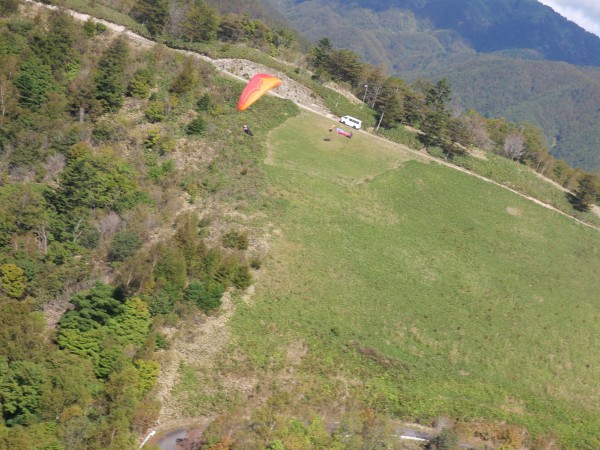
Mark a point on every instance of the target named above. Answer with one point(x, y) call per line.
point(585, 13)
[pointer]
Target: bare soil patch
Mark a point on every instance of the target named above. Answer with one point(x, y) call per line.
point(476, 153)
point(345, 92)
point(514, 211)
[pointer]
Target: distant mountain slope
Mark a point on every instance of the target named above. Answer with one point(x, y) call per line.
point(484, 26)
point(496, 25)
point(501, 56)
point(561, 98)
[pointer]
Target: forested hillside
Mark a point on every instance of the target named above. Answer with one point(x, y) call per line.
point(492, 26)
point(488, 50)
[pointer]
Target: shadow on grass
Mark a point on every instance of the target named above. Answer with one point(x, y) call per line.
point(577, 203)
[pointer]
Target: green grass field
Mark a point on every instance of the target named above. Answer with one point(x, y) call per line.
point(425, 290)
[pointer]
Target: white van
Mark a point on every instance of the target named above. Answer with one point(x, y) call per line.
point(351, 121)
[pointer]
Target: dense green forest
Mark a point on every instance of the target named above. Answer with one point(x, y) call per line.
point(517, 60)
point(114, 163)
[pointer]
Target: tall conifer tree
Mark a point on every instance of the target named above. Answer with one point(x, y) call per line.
point(110, 76)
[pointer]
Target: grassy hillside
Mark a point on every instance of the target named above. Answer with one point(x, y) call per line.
point(422, 290)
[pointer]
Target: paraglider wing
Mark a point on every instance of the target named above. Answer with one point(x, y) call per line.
point(258, 85)
point(343, 133)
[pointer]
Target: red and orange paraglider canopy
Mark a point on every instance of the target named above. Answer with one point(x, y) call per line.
point(258, 85)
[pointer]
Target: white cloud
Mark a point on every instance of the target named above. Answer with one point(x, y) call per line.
point(585, 13)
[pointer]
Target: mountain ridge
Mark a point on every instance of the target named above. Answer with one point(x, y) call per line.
point(500, 25)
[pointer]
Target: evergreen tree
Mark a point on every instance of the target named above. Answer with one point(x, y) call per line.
point(89, 182)
point(171, 268)
point(437, 116)
point(206, 296)
point(587, 192)
point(156, 111)
point(133, 324)
point(189, 241)
point(204, 103)
point(196, 127)
point(124, 244)
point(140, 84)
point(390, 101)
point(438, 96)
point(93, 308)
point(345, 65)
point(321, 53)
point(187, 78)
point(201, 23)
point(34, 81)
point(152, 13)
point(83, 97)
point(457, 136)
point(414, 102)
point(55, 47)
point(110, 79)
